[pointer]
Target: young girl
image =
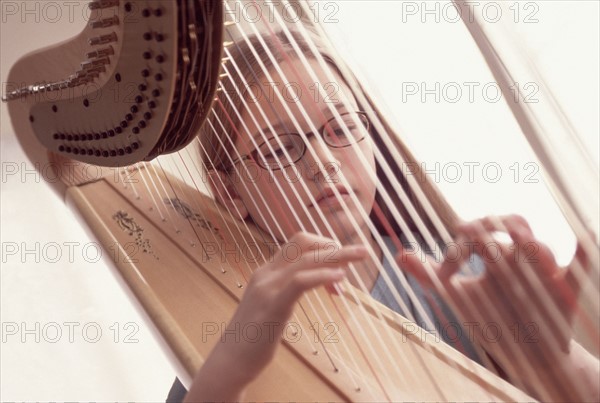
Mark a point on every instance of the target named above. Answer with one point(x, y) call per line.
point(315, 170)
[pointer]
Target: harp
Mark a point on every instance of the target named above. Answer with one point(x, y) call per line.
point(138, 218)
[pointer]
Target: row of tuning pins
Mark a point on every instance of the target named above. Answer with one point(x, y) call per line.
point(91, 68)
point(225, 59)
point(98, 59)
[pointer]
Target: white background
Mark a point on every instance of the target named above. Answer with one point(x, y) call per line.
point(393, 48)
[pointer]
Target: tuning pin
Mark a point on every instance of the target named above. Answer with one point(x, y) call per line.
point(107, 22)
point(95, 71)
point(59, 85)
point(185, 55)
point(95, 63)
point(227, 44)
point(73, 82)
point(102, 39)
point(109, 51)
point(95, 5)
point(192, 32)
point(228, 23)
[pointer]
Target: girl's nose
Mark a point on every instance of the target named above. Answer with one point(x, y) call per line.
point(323, 162)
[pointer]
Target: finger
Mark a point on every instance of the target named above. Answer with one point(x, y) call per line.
point(449, 267)
point(577, 271)
point(517, 223)
point(529, 250)
point(480, 232)
point(496, 223)
point(475, 235)
point(332, 288)
point(303, 281)
point(320, 258)
point(535, 253)
point(298, 244)
point(415, 264)
point(497, 256)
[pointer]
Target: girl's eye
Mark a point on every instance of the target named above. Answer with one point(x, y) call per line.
point(278, 152)
point(341, 132)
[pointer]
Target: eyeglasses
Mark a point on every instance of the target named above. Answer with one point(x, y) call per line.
point(349, 129)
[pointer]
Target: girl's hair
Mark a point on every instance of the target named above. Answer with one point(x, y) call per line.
point(224, 122)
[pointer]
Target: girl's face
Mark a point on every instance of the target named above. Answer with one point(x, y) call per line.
point(279, 201)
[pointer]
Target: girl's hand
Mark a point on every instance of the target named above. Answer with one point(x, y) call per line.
point(268, 304)
point(524, 299)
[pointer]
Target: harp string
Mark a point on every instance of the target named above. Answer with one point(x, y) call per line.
point(542, 134)
point(149, 184)
point(326, 67)
point(284, 149)
point(392, 149)
point(132, 184)
point(269, 229)
point(238, 283)
point(236, 272)
point(316, 54)
point(164, 190)
point(196, 204)
point(311, 346)
point(546, 136)
point(230, 57)
point(213, 168)
point(282, 52)
point(544, 142)
point(321, 66)
point(231, 159)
